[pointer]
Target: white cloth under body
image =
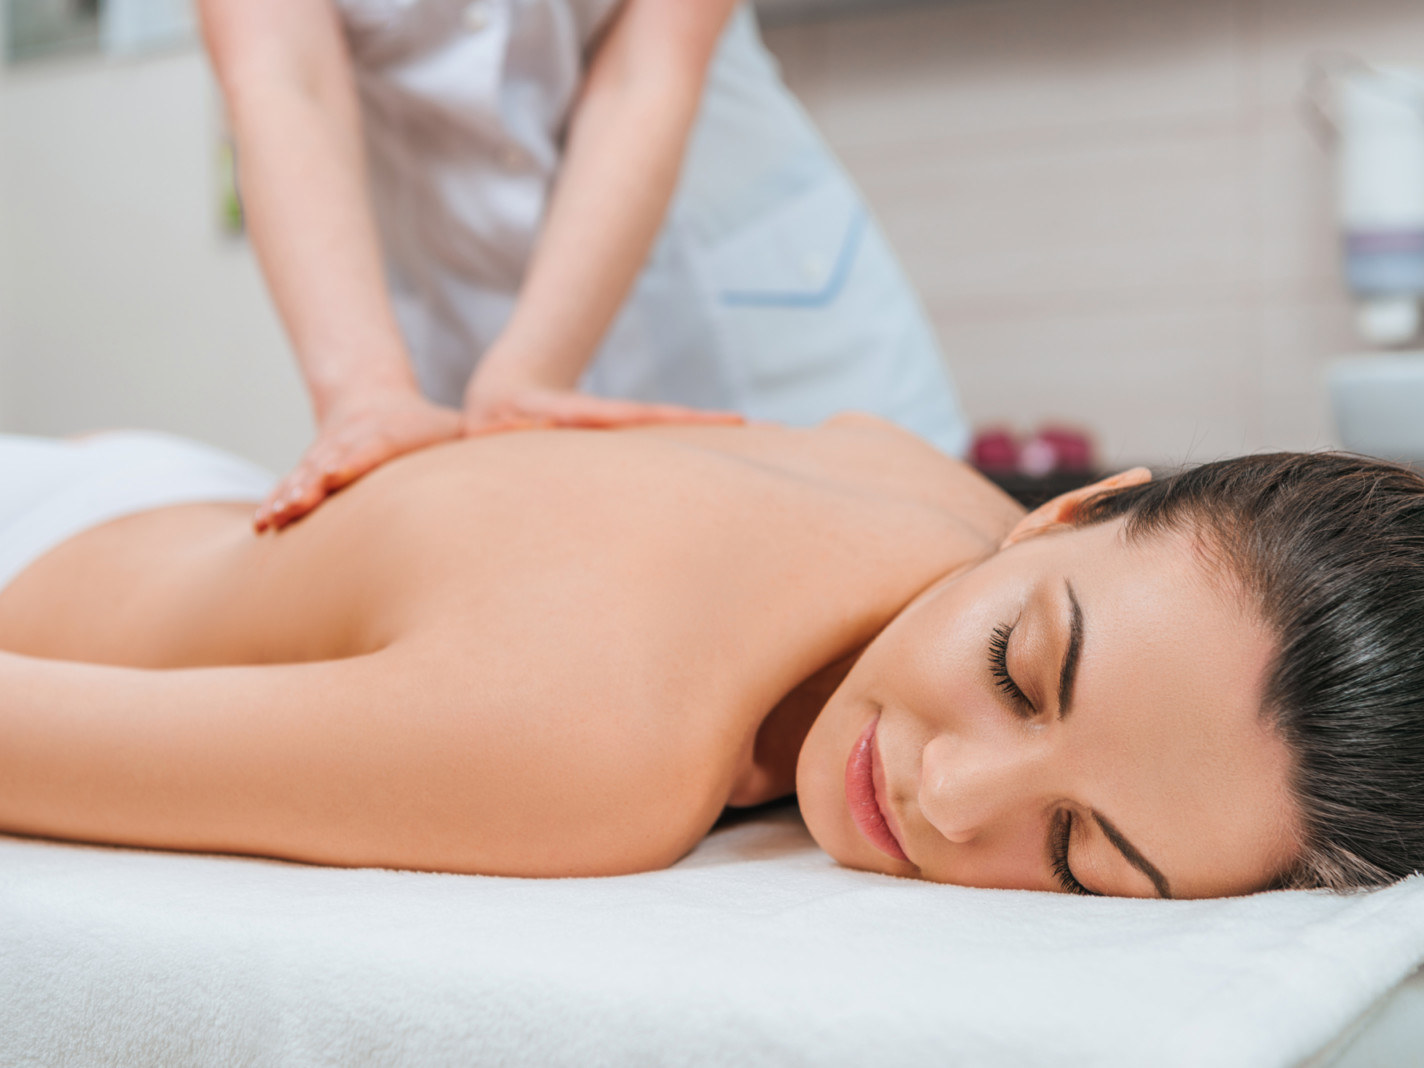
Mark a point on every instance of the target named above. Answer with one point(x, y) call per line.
point(51, 490)
point(770, 289)
point(755, 950)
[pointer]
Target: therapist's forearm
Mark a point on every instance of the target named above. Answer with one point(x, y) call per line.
point(621, 167)
point(305, 193)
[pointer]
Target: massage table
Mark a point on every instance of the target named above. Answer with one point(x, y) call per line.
point(756, 949)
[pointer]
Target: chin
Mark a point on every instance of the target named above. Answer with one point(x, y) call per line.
point(816, 791)
point(820, 794)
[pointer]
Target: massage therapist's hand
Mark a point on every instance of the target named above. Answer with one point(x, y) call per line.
point(514, 404)
point(354, 438)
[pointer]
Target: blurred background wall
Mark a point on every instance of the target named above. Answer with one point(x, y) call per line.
point(1113, 209)
point(125, 304)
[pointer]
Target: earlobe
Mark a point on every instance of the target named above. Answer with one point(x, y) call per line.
point(1061, 510)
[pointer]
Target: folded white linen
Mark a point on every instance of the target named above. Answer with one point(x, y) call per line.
point(756, 949)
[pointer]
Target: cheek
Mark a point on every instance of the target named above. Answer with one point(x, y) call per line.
point(936, 673)
point(927, 672)
point(1013, 859)
point(936, 681)
point(919, 675)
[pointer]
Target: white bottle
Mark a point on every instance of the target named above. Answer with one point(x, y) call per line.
point(1380, 112)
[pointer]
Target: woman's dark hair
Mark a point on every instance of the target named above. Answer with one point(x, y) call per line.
point(1331, 548)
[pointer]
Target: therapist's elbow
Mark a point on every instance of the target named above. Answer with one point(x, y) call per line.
point(659, 51)
point(652, 96)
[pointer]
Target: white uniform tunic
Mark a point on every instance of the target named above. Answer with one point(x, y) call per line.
point(770, 290)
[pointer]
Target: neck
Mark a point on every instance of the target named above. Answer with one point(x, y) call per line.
point(770, 771)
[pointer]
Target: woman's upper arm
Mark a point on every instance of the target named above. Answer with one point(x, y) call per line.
point(410, 757)
point(271, 759)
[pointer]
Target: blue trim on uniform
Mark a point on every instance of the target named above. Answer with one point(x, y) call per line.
point(819, 298)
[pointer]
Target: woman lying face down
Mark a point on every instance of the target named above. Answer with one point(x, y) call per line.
point(564, 653)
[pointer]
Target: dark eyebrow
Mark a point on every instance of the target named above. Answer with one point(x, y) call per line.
point(1069, 673)
point(1066, 678)
point(1136, 859)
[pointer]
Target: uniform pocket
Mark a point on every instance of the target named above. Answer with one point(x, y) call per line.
point(814, 316)
point(798, 254)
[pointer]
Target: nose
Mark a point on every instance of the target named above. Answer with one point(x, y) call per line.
point(969, 785)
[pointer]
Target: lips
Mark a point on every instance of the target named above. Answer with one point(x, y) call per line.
point(864, 786)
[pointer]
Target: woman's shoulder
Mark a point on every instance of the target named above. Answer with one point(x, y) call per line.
point(863, 454)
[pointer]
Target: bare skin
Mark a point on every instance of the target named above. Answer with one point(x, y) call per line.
point(565, 652)
point(604, 608)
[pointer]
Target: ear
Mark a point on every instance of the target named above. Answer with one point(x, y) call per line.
point(1063, 508)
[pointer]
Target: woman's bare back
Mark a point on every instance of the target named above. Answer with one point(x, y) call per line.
point(562, 652)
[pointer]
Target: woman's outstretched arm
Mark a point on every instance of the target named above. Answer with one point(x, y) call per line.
point(385, 760)
point(267, 759)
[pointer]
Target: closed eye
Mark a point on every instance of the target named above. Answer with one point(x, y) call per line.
point(999, 670)
point(1059, 837)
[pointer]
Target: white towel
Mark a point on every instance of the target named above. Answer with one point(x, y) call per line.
point(756, 949)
